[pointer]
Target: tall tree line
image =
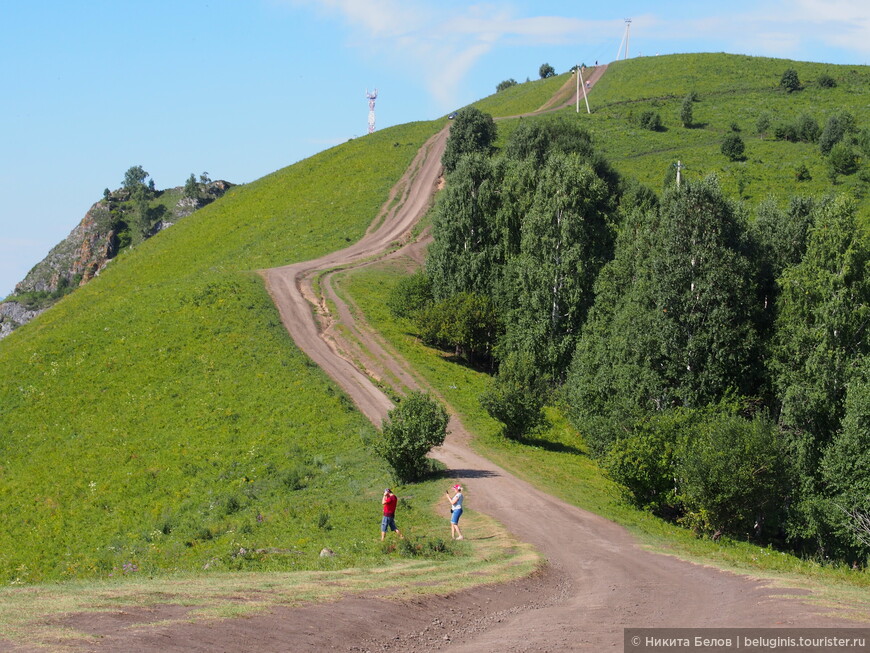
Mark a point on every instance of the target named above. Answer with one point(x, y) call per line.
point(715, 360)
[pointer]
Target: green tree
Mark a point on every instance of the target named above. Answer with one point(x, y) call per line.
point(462, 256)
point(836, 127)
point(686, 111)
point(466, 322)
point(134, 180)
point(675, 319)
point(820, 337)
point(546, 70)
point(566, 238)
point(409, 432)
point(846, 462)
point(472, 132)
point(191, 188)
point(790, 81)
point(732, 476)
point(733, 147)
point(842, 159)
point(505, 85)
point(516, 396)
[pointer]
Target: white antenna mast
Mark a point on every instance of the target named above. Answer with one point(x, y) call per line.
point(372, 97)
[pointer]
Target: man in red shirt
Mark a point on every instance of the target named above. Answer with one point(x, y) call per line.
point(389, 520)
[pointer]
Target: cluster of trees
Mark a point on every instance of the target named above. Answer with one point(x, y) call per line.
point(716, 361)
point(130, 212)
point(841, 141)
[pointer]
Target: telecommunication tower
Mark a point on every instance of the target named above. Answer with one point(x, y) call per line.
point(372, 97)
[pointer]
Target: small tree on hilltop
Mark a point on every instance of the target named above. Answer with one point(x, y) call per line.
point(410, 430)
point(790, 81)
point(191, 188)
point(134, 179)
point(546, 70)
point(505, 84)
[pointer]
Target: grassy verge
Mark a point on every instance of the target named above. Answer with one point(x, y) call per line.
point(35, 615)
point(557, 461)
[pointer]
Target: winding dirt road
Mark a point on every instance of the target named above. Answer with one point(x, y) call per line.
point(598, 582)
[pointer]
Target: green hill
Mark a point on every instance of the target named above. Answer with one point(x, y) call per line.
point(732, 91)
point(160, 417)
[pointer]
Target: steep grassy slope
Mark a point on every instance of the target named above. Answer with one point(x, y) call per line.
point(161, 418)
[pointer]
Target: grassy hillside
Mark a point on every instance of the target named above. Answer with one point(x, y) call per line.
point(731, 90)
point(161, 418)
point(522, 98)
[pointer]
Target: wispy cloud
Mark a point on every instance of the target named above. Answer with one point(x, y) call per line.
point(444, 43)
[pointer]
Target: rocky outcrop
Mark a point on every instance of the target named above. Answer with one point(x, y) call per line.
point(13, 315)
point(91, 245)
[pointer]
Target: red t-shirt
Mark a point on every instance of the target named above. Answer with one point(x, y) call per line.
point(390, 505)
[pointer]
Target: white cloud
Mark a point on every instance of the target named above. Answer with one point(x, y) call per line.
point(444, 43)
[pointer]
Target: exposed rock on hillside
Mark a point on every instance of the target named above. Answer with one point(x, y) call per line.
point(92, 244)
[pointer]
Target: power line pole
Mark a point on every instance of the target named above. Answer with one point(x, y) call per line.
point(580, 83)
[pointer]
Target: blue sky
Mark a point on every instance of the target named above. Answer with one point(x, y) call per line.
point(240, 88)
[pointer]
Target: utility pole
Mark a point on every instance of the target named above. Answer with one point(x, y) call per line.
point(579, 84)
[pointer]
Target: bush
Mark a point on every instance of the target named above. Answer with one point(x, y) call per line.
point(802, 173)
point(732, 476)
point(733, 147)
point(515, 397)
point(643, 462)
point(468, 323)
point(410, 431)
point(505, 84)
point(790, 81)
point(826, 81)
point(546, 70)
point(650, 120)
point(843, 159)
point(410, 296)
point(836, 127)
